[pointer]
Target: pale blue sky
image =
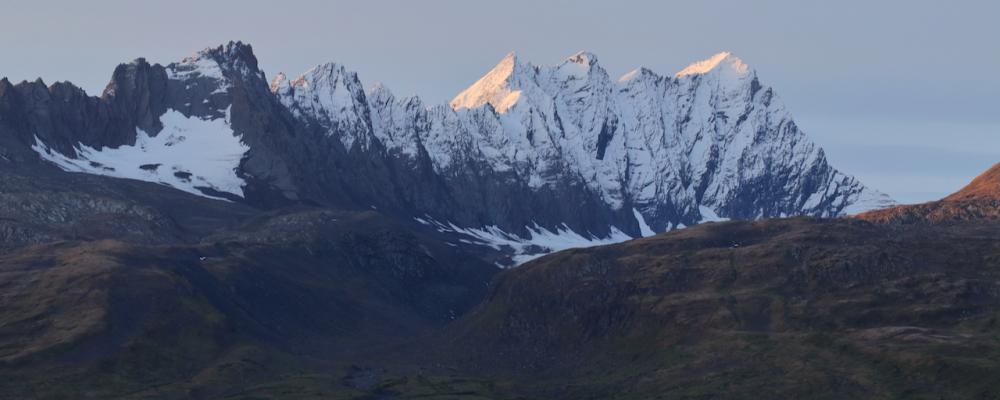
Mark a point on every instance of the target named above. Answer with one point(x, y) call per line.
point(903, 94)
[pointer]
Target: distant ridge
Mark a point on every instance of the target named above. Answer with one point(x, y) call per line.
point(979, 201)
point(986, 186)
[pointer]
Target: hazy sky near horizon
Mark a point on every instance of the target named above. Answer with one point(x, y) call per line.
point(903, 94)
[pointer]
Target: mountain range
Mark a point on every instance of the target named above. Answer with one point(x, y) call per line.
point(526, 160)
point(202, 232)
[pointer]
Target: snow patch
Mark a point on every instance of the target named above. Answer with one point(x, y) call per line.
point(188, 154)
point(866, 201)
point(194, 67)
point(709, 215)
point(644, 228)
point(540, 241)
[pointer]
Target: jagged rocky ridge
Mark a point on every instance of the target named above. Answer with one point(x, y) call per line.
point(527, 159)
point(207, 125)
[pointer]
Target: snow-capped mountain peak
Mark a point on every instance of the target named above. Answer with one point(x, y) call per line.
point(500, 87)
point(332, 98)
point(724, 61)
point(178, 128)
point(200, 65)
point(583, 58)
point(581, 67)
point(236, 57)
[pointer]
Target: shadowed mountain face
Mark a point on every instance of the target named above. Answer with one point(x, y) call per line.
point(311, 275)
point(773, 309)
point(979, 201)
point(112, 286)
point(899, 302)
point(320, 304)
point(307, 285)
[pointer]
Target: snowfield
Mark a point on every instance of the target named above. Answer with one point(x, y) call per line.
point(188, 154)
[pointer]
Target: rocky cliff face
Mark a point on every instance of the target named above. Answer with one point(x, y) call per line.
point(207, 125)
point(528, 159)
